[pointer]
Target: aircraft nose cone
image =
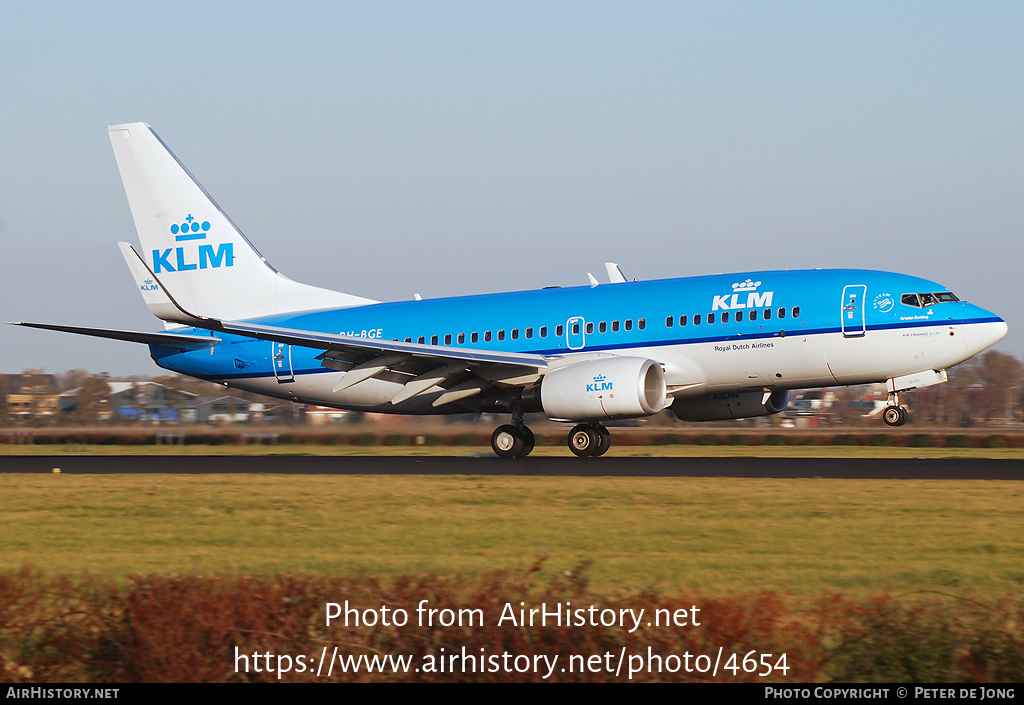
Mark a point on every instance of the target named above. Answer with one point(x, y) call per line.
point(984, 335)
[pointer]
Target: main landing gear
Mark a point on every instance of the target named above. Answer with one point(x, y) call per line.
point(589, 440)
point(511, 441)
point(515, 440)
point(894, 414)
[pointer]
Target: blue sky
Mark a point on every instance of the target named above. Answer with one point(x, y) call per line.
point(454, 148)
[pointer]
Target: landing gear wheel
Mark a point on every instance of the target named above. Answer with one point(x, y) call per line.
point(528, 441)
point(604, 442)
point(507, 442)
point(583, 440)
point(894, 416)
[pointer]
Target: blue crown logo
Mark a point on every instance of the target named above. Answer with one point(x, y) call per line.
point(600, 378)
point(191, 229)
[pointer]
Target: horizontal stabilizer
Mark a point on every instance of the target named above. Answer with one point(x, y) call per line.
point(184, 342)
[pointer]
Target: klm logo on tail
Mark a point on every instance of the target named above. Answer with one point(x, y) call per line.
point(186, 258)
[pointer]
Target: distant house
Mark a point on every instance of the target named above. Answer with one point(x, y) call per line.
point(224, 409)
point(140, 401)
point(31, 394)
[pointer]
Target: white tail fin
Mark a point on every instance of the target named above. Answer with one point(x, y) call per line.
point(192, 244)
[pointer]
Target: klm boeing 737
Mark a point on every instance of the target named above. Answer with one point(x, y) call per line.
point(714, 347)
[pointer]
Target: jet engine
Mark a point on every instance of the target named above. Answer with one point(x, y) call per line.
point(737, 405)
point(614, 387)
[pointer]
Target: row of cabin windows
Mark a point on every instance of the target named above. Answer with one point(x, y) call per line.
point(604, 326)
point(736, 316)
point(542, 332)
point(474, 337)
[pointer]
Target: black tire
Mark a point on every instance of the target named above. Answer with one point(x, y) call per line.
point(583, 440)
point(507, 442)
point(904, 416)
point(892, 416)
point(529, 441)
point(604, 442)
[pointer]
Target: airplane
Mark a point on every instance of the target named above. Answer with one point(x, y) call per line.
point(715, 347)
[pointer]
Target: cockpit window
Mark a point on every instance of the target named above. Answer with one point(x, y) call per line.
point(928, 299)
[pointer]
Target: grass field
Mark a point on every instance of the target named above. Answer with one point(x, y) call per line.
point(712, 535)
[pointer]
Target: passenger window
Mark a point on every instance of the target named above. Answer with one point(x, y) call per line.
point(543, 331)
point(515, 334)
point(462, 338)
point(711, 318)
point(642, 323)
point(487, 336)
point(615, 326)
point(669, 321)
point(767, 313)
point(602, 327)
point(420, 340)
point(501, 335)
point(682, 321)
point(725, 317)
point(433, 340)
point(753, 315)
point(529, 332)
point(696, 319)
point(575, 328)
point(782, 313)
point(408, 340)
point(796, 312)
point(448, 339)
point(558, 330)
point(474, 338)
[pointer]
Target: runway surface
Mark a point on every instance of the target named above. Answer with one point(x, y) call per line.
point(859, 468)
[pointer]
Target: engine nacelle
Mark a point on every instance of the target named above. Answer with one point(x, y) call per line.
point(615, 387)
point(736, 405)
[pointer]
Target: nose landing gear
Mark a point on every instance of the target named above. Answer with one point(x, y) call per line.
point(894, 414)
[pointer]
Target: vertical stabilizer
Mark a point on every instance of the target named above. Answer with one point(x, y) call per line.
point(192, 245)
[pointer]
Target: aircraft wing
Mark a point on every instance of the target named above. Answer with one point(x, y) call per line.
point(342, 344)
point(342, 347)
point(183, 342)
